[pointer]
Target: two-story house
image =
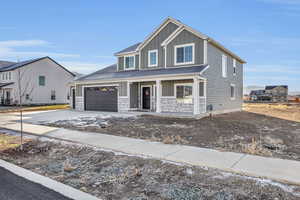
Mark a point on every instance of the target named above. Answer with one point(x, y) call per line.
point(175, 69)
point(37, 81)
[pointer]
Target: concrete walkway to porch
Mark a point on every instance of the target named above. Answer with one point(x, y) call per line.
point(271, 168)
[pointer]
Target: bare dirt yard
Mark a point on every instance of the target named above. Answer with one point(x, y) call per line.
point(111, 176)
point(238, 132)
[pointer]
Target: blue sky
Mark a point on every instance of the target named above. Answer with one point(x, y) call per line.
point(84, 35)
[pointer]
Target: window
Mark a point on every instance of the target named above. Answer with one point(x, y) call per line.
point(232, 91)
point(9, 75)
point(184, 54)
point(53, 97)
point(201, 89)
point(224, 66)
point(152, 58)
point(129, 62)
point(184, 93)
point(234, 67)
point(3, 74)
point(6, 76)
point(42, 81)
point(27, 96)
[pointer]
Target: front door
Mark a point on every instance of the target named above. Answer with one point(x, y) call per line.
point(146, 98)
point(7, 97)
point(73, 98)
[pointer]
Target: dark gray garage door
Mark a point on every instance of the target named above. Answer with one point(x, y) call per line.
point(101, 98)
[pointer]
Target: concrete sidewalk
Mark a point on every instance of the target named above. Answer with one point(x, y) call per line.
point(271, 168)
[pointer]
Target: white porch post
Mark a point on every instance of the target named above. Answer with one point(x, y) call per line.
point(158, 95)
point(128, 93)
point(196, 96)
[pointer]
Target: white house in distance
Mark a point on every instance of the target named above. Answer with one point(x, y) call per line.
point(42, 81)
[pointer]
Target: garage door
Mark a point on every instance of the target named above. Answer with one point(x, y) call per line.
point(101, 98)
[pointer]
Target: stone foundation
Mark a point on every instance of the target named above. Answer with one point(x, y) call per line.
point(170, 104)
point(123, 104)
point(79, 104)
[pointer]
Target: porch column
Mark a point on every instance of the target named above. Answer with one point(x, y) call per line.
point(158, 95)
point(196, 96)
point(128, 93)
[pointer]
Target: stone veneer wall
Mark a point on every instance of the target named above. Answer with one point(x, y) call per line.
point(169, 104)
point(123, 104)
point(79, 103)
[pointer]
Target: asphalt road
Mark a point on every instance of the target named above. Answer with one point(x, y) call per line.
point(13, 187)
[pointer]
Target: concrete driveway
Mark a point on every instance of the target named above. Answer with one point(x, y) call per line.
point(55, 115)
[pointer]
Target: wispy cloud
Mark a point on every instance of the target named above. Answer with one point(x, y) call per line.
point(280, 69)
point(8, 49)
point(83, 67)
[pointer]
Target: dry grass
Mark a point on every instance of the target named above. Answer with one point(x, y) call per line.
point(283, 111)
point(9, 142)
point(38, 108)
point(177, 139)
point(255, 148)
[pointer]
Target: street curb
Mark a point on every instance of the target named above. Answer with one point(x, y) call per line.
point(61, 188)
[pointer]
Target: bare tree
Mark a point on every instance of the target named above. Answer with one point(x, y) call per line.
point(24, 87)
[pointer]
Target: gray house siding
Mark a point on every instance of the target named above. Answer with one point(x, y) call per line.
point(134, 95)
point(155, 43)
point(185, 37)
point(168, 87)
point(121, 62)
point(218, 87)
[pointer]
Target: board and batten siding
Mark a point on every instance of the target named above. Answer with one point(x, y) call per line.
point(168, 87)
point(218, 87)
point(154, 44)
point(185, 37)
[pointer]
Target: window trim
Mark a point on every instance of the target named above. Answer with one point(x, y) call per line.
point(224, 66)
point(234, 95)
point(184, 84)
point(184, 45)
point(234, 67)
point(149, 59)
point(131, 68)
point(204, 88)
point(44, 80)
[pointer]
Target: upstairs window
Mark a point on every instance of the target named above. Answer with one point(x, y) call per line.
point(184, 93)
point(224, 66)
point(152, 58)
point(129, 62)
point(184, 54)
point(9, 75)
point(42, 81)
point(232, 91)
point(234, 67)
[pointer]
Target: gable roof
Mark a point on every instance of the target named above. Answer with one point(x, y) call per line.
point(110, 73)
point(181, 27)
point(15, 65)
point(270, 87)
point(132, 48)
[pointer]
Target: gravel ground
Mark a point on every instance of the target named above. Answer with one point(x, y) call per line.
point(238, 132)
point(109, 175)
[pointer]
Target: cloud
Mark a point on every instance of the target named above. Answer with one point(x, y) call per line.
point(283, 69)
point(22, 43)
point(8, 49)
point(83, 67)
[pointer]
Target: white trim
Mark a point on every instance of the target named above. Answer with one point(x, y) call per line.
point(204, 69)
point(232, 85)
point(196, 96)
point(224, 66)
point(139, 60)
point(180, 46)
point(158, 95)
point(172, 36)
point(204, 89)
point(205, 57)
point(127, 53)
point(234, 66)
point(165, 51)
point(128, 90)
point(142, 86)
point(156, 31)
point(184, 84)
point(149, 58)
point(131, 68)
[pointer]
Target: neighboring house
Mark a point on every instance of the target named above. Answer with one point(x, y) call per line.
point(42, 80)
point(278, 93)
point(275, 93)
point(175, 69)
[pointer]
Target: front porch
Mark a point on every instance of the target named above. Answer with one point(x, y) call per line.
point(178, 95)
